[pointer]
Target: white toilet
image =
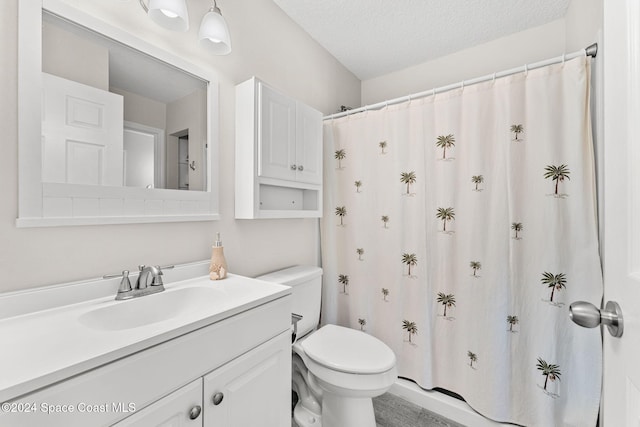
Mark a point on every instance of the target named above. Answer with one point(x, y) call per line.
point(336, 370)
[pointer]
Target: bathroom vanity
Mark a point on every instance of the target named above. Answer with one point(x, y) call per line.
point(200, 353)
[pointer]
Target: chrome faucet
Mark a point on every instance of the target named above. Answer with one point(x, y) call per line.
point(149, 282)
point(149, 276)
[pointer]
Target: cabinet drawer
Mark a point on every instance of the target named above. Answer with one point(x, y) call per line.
point(142, 378)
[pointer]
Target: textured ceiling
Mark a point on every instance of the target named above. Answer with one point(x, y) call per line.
point(375, 37)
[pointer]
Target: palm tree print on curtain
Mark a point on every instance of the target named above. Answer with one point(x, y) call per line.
point(550, 372)
point(496, 190)
point(557, 174)
point(358, 185)
point(341, 211)
point(446, 215)
point(512, 321)
point(340, 155)
point(517, 227)
point(408, 178)
point(472, 358)
point(477, 180)
point(410, 260)
point(475, 266)
point(382, 145)
point(343, 279)
point(517, 130)
point(360, 252)
point(362, 324)
point(447, 301)
point(556, 282)
point(444, 142)
point(410, 327)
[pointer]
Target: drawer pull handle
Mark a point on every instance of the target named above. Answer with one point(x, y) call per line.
point(217, 398)
point(300, 168)
point(195, 412)
point(294, 167)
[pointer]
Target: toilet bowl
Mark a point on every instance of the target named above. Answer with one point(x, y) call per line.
point(336, 370)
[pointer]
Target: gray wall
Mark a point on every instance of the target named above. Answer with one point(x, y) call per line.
point(266, 43)
point(578, 29)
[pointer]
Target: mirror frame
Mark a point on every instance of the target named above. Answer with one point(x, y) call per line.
point(42, 204)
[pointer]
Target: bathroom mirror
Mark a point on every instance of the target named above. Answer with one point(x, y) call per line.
point(112, 129)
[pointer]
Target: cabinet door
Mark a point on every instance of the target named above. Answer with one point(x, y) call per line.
point(182, 408)
point(252, 390)
point(277, 127)
point(309, 144)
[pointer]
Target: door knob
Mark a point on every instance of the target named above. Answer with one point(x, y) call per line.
point(589, 316)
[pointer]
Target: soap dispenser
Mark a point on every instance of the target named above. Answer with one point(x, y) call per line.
point(218, 266)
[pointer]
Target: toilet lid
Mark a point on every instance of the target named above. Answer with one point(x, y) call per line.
point(348, 350)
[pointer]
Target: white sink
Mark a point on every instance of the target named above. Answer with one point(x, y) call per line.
point(148, 309)
point(79, 326)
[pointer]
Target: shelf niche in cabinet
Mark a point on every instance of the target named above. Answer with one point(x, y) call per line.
point(278, 155)
point(288, 201)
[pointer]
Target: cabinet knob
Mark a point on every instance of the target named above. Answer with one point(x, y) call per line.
point(293, 167)
point(217, 398)
point(300, 168)
point(195, 412)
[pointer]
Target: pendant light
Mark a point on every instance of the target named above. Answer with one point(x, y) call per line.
point(214, 32)
point(170, 14)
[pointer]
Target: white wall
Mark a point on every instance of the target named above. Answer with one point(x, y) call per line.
point(266, 43)
point(68, 56)
point(140, 109)
point(578, 29)
point(583, 22)
point(188, 113)
point(528, 46)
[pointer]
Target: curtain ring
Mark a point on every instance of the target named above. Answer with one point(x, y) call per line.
point(494, 78)
point(433, 92)
point(526, 69)
point(563, 58)
point(462, 85)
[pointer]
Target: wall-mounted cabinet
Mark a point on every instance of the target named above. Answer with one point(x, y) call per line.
point(278, 155)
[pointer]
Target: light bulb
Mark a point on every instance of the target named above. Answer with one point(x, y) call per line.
point(171, 14)
point(168, 13)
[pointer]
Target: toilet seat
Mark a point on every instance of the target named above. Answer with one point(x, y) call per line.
point(348, 350)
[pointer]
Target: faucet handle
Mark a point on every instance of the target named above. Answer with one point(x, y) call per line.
point(125, 283)
point(157, 280)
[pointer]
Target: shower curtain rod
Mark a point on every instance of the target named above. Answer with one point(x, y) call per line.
point(591, 50)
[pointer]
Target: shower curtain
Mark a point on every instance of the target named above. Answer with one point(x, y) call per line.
point(459, 227)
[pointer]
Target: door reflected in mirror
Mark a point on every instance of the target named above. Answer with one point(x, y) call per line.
point(115, 116)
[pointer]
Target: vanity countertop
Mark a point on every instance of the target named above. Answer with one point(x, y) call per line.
point(42, 347)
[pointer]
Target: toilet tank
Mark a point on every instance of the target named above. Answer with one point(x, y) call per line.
point(306, 292)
